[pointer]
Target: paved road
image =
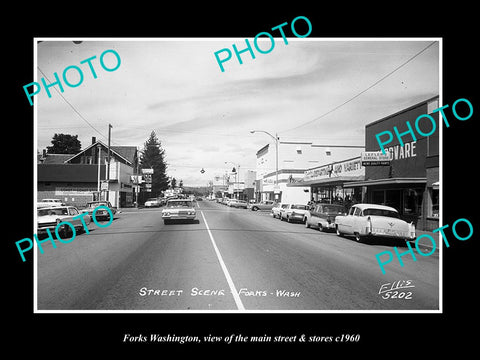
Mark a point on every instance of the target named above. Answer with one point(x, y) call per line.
point(231, 259)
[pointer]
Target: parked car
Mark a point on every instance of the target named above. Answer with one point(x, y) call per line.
point(322, 216)
point(277, 210)
point(50, 217)
point(371, 220)
point(153, 202)
point(178, 209)
point(101, 214)
point(49, 202)
point(238, 204)
point(293, 212)
point(262, 205)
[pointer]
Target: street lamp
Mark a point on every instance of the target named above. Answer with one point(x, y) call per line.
point(275, 138)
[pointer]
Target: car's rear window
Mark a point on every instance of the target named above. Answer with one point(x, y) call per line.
point(60, 211)
point(332, 208)
point(300, 207)
point(381, 212)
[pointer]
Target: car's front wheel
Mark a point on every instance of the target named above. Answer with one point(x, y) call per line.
point(254, 208)
point(358, 237)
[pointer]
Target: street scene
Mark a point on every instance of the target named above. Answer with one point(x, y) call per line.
point(257, 188)
point(138, 263)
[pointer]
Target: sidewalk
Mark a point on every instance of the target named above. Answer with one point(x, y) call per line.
point(425, 243)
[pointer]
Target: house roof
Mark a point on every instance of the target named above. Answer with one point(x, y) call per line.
point(56, 158)
point(124, 153)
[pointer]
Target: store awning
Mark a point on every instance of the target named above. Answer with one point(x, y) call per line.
point(388, 181)
point(332, 181)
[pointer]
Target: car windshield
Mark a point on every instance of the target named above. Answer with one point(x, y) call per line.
point(152, 199)
point(184, 203)
point(300, 207)
point(381, 212)
point(59, 211)
point(332, 209)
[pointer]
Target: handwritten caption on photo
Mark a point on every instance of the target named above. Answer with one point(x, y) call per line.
point(63, 225)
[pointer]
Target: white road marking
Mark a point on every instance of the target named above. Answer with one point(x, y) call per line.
point(233, 290)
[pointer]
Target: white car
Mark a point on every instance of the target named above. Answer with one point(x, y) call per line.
point(152, 202)
point(178, 209)
point(371, 220)
point(49, 202)
point(277, 210)
point(294, 212)
point(49, 218)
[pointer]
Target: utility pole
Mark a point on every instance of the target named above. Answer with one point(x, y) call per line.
point(108, 161)
point(99, 148)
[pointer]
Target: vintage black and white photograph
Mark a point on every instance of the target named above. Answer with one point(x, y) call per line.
point(238, 175)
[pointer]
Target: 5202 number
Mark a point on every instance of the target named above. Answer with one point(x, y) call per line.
point(397, 295)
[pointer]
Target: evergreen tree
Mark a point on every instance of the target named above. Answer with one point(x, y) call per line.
point(153, 157)
point(64, 144)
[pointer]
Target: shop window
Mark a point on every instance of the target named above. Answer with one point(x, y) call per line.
point(412, 200)
point(433, 210)
point(378, 197)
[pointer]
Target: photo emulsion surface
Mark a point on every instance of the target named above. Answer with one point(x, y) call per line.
point(238, 175)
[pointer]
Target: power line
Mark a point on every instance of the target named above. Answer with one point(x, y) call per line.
point(73, 108)
point(363, 91)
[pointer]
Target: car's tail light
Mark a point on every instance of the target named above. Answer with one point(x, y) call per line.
point(411, 228)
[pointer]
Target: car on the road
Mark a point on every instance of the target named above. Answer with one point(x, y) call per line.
point(101, 214)
point(238, 204)
point(49, 203)
point(178, 209)
point(277, 210)
point(322, 216)
point(262, 205)
point(294, 212)
point(50, 217)
point(152, 202)
point(372, 220)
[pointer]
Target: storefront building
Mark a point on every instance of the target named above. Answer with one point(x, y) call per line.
point(327, 182)
point(294, 158)
point(410, 182)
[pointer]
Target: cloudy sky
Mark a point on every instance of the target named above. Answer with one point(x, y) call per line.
point(203, 116)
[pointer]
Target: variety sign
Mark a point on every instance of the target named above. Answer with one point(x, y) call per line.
point(352, 167)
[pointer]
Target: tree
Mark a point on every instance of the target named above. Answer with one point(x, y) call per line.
point(173, 183)
point(180, 183)
point(64, 144)
point(153, 157)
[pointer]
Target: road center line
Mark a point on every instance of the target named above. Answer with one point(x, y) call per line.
point(233, 290)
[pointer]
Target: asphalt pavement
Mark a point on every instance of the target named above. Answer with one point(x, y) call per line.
point(228, 260)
